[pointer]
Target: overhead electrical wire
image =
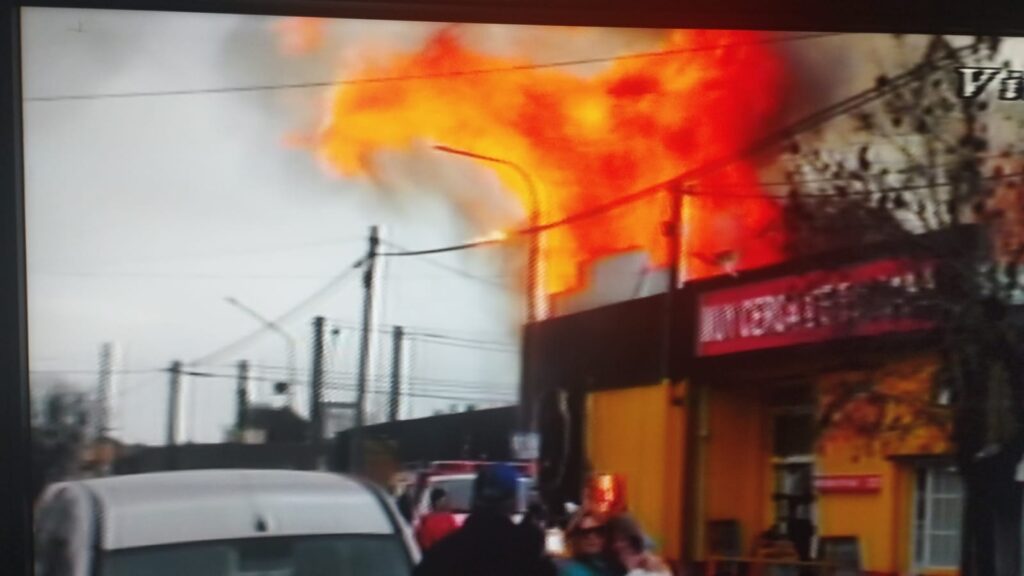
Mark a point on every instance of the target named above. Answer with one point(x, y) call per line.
point(776, 137)
point(452, 269)
point(327, 288)
point(429, 76)
point(443, 249)
point(467, 346)
point(865, 193)
point(94, 371)
point(757, 196)
point(437, 382)
point(216, 376)
point(804, 124)
point(426, 332)
point(475, 341)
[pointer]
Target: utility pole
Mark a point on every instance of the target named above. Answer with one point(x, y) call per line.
point(173, 414)
point(396, 373)
point(316, 392)
point(528, 402)
point(369, 278)
point(107, 391)
point(293, 379)
point(673, 240)
point(673, 236)
point(242, 392)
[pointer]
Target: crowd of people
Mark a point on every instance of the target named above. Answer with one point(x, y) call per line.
point(491, 543)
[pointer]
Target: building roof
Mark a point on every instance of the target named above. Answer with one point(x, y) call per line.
point(280, 424)
point(174, 507)
point(263, 416)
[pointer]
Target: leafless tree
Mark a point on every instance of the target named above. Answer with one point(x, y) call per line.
point(926, 160)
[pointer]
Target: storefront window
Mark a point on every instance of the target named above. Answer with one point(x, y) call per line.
point(937, 518)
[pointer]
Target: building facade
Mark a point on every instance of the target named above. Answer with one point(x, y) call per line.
point(800, 400)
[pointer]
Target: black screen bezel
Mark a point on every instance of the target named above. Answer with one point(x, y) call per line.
point(976, 17)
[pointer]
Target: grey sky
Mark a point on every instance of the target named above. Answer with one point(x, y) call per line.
point(144, 213)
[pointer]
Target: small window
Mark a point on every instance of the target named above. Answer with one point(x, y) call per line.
point(937, 518)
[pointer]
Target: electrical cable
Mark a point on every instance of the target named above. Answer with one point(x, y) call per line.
point(430, 76)
point(452, 269)
point(281, 319)
point(806, 123)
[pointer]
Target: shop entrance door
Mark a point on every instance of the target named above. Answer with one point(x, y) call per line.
point(794, 504)
point(793, 466)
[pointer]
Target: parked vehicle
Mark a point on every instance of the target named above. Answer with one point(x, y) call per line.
point(221, 523)
point(459, 488)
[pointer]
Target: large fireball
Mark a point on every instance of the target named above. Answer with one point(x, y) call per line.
point(585, 140)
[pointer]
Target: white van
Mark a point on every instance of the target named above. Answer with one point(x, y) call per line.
point(221, 523)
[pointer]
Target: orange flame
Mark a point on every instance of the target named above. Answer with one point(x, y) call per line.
point(586, 140)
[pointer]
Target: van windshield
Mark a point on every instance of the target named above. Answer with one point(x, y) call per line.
point(305, 556)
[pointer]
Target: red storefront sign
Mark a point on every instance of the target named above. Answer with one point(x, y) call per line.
point(866, 299)
point(848, 484)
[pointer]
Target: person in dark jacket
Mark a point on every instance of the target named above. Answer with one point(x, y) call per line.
point(489, 543)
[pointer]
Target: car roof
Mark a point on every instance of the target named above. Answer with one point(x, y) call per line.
point(177, 507)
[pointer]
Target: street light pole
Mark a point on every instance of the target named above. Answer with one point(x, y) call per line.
point(289, 342)
point(527, 410)
point(533, 258)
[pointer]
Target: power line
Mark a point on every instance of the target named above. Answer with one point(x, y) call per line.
point(256, 251)
point(216, 376)
point(804, 124)
point(452, 269)
point(864, 193)
point(757, 196)
point(468, 346)
point(436, 336)
point(429, 76)
point(433, 381)
point(903, 168)
point(183, 276)
point(326, 289)
point(443, 249)
point(94, 371)
point(424, 331)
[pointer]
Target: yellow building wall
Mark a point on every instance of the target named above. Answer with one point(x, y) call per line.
point(874, 518)
point(736, 462)
point(881, 520)
point(638, 433)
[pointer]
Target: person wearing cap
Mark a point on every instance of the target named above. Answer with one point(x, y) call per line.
point(489, 543)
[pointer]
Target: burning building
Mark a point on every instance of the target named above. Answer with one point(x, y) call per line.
point(783, 405)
